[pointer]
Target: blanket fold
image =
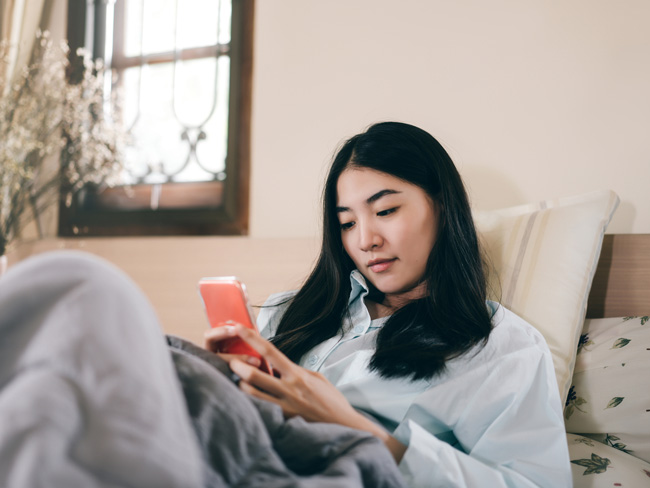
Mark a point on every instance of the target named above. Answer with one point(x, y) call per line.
point(93, 396)
point(248, 442)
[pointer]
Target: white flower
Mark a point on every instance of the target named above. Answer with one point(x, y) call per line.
point(40, 113)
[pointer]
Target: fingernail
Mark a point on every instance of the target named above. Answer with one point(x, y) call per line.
point(253, 361)
point(230, 330)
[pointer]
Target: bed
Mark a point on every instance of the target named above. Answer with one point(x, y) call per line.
point(621, 285)
point(607, 412)
point(551, 262)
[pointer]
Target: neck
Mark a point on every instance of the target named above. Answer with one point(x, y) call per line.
point(378, 310)
point(393, 302)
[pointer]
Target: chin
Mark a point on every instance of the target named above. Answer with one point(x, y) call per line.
point(392, 289)
point(401, 289)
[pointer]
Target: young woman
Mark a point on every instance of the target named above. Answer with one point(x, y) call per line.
point(392, 332)
point(391, 337)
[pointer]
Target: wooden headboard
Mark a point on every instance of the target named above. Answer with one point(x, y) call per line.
point(621, 285)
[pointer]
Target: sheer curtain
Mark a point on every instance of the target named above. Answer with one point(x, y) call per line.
point(19, 21)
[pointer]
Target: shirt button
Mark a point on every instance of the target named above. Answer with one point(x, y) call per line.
point(313, 359)
point(358, 329)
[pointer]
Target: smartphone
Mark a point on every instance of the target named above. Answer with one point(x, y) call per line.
point(225, 301)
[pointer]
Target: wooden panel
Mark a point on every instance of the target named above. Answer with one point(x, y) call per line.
point(621, 285)
point(170, 195)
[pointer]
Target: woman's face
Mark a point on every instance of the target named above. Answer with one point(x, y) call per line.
point(388, 228)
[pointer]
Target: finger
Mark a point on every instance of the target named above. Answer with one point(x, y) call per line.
point(212, 337)
point(267, 350)
point(220, 332)
point(252, 360)
point(257, 393)
point(262, 381)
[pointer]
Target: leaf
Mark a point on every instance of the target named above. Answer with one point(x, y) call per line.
point(583, 462)
point(610, 440)
point(597, 459)
point(595, 465)
point(614, 402)
point(595, 470)
point(644, 319)
point(568, 412)
point(621, 447)
point(580, 401)
point(647, 473)
point(620, 342)
point(583, 345)
point(584, 440)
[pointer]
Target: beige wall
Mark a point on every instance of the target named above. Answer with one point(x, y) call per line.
point(533, 99)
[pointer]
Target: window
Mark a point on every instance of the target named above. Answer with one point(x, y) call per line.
point(183, 68)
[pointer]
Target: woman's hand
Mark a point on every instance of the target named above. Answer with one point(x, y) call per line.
point(214, 336)
point(299, 391)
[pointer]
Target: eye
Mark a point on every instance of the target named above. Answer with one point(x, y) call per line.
point(346, 225)
point(389, 211)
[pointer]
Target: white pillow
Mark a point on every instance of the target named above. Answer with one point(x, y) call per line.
point(545, 256)
point(594, 464)
point(610, 395)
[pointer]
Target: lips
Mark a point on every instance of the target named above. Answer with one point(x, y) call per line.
point(380, 265)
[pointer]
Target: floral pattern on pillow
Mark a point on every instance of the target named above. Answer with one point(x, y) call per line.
point(643, 319)
point(609, 400)
point(573, 403)
point(598, 465)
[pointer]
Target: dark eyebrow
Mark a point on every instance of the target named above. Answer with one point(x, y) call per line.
point(372, 199)
point(381, 194)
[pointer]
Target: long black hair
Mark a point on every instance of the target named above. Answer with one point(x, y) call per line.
point(452, 317)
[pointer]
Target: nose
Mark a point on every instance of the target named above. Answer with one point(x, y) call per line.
point(369, 238)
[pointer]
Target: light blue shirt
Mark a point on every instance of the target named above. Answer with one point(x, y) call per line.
point(492, 419)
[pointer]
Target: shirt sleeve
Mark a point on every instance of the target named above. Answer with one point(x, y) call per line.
point(271, 312)
point(504, 419)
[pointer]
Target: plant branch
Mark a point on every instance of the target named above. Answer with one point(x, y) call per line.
point(43, 114)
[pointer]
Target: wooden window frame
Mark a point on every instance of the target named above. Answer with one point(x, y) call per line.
point(208, 208)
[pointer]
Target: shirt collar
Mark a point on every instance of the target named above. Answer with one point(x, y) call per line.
point(359, 288)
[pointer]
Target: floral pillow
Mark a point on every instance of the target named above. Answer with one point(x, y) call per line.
point(609, 400)
point(594, 464)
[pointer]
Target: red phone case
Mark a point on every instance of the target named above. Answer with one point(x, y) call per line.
point(225, 301)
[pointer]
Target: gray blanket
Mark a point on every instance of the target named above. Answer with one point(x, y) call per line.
point(90, 397)
point(248, 442)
